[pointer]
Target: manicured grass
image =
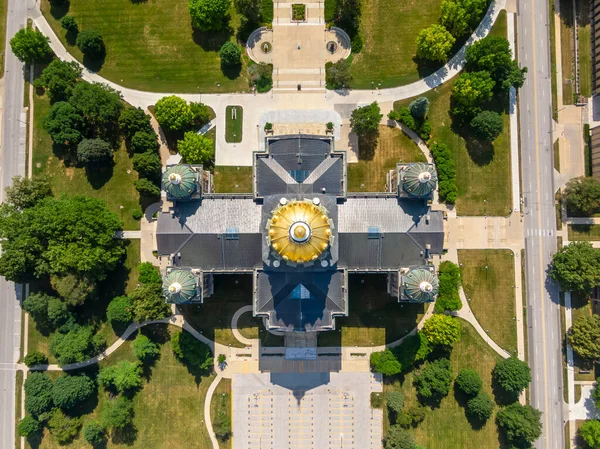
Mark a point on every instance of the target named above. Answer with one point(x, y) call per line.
point(584, 51)
point(221, 403)
point(390, 30)
point(18, 393)
point(375, 317)
point(233, 179)
point(393, 147)
point(233, 127)
point(580, 307)
point(151, 45)
point(488, 281)
point(168, 410)
point(552, 31)
point(115, 187)
point(247, 325)
point(3, 10)
point(447, 427)
point(584, 232)
point(566, 45)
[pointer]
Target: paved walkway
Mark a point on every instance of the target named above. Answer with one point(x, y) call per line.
point(514, 125)
point(207, 418)
point(234, 329)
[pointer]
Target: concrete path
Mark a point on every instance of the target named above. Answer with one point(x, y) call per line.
point(514, 125)
point(234, 328)
point(128, 235)
point(207, 418)
point(582, 220)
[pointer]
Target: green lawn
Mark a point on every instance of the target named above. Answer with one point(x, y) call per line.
point(566, 46)
point(3, 10)
point(447, 427)
point(390, 29)
point(393, 147)
point(118, 191)
point(221, 403)
point(233, 127)
point(151, 45)
point(375, 317)
point(584, 232)
point(584, 51)
point(552, 30)
point(168, 410)
point(233, 179)
point(488, 281)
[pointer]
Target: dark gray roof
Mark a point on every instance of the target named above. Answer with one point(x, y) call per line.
point(220, 253)
point(299, 152)
point(301, 300)
point(358, 251)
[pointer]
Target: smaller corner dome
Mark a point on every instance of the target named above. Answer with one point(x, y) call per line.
point(419, 179)
point(179, 287)
point(420, 285)
point(179, 181)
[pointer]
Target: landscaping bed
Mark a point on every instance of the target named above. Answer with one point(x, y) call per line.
point(234, 126)
point(298, 12)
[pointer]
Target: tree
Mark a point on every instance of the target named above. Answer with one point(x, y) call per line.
point(394, 401)
point(70, 24)
point(230, 54)
point(590, 433)
point(338, 75)
point(419, 108)
point(90, 43)
point(583, 195)
point(74, 289)
point(94, 151)
point(94, 433)
point(493, 54)
point(26, 192)
point(209, 15)
point(65, 124)
point(195, 148)
point(38, 393)
point(99, 104)
point(144, 348)
point(512, 374)
point(63, 428)
point(399, 438)
point(147, 164)
point(192, 351)
point(121, 377)
point(480, 407)
point(434, 43)
point(248, 8)
point(470, 91)
point(148, 303)
point(200, 113)
point(57, 312)
point(148, 274)
point(133, 120)
point(34, 358)
point(411, 417)
point(469, 382)
point(74, 346)
point(70, 391)
point(36, 305)
point(59, 79)
point(30, 46)
point(144, 142)
point(442, 330)
point(454, 18)
point(117, 413)
point(173, 113)
point(584, 337)
point(364, 121)
point(487, 125)
point(434, 380)
point(118, 311)
point(520, 423)
point(449, 281)
point(385, 362)
point(28, 426)
point(446, 169)
point(146, 187)
point(576, 267)
point(596, 393)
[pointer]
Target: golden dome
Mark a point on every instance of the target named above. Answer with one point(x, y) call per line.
point(299, 231)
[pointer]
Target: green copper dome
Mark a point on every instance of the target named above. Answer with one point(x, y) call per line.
point(419, 180)
point(179, 181)
point(179, 287)
point(420, 285)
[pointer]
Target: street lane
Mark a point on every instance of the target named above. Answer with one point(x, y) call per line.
point(543, 312)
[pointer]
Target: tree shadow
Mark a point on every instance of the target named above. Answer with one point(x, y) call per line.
point(501, 396)
point(212, 40)
point(245, 29)
point(462, 399)
point(231, 72)
point(137, 2)
point(480, 151)
point(126, 436)
point(426, 67)
point(98, 176)
point(367, 146)
point(71, 36)
point(94, 63)
point(195, 371)
point(59, 10)
point(35, 440)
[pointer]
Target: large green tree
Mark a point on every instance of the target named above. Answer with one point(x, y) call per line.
point(148, 303)
point(434, 43)
point(69, 235)
point(59, 79)
point(434, 379)
point(90, 43)
point(520, 423)
point(144, 348)
point(147, 164)
point(209, 15)
point(192, 351)
point(195, 148)
point(583, 195)
point(364, 121)
point(487, 125)
point(338, 74)
point(399, 438)
point(133, 120)
point(480, 407)
point(470, 91)
point(462, 16)
point(230, 54)
point(65, 124)
point(100, 105)
point(576, 267)
point(27, 192)
point(77, 345)
point(469, 381)
point(70, 391)
point(584, 337)
point(94, 152)
point(385, 362)
point(121, 377)
point(512, 374)
point(443, 330)
point(173, 114)
point(38, 393)
point(30, 45)
point(117, 413)
point(590, 433)
point(119, 311)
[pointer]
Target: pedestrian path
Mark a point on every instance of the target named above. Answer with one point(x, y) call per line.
point(234, 326)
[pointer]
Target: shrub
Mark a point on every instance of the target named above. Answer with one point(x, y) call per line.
point(69, 23)
point(261, 76)
point(330, 10)
point(419, 108)
point(480, 407)
point(200, 113)
point(469, 382)
point(118, 311)
point(411, 417)
point(338, 74)
point(63, 428)
point(487, 125)
point(446, 171)
point(434, 380)
point(230, 54)
point(148, 274)
point(94, 151)
point(90, 43)
point(399, 438)
point(137, 214)
point(147, 164)
point(449, 281)
point(146, 187)
point(222, 426)
point(70, 391)
point(512, 375)
point(266, 10)
point(414, 349)
point(35, 358)
point(385, 362)
point(28, 426)
point(94, 433)
point(144, 349)
point(192, 351)
point(394, 401)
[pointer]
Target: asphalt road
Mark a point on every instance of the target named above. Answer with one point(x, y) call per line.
point(543, 312)
point(12, 164)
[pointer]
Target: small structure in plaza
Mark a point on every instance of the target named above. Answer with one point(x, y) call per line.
point(300, 234)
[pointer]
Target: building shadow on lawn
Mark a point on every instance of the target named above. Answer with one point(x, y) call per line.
point(211, 40)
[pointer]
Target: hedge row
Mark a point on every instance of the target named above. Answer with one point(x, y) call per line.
point(449, 278)
point(446, 171)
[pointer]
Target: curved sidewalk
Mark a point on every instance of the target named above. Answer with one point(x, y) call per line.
point(234, 329)
point(207, 418)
